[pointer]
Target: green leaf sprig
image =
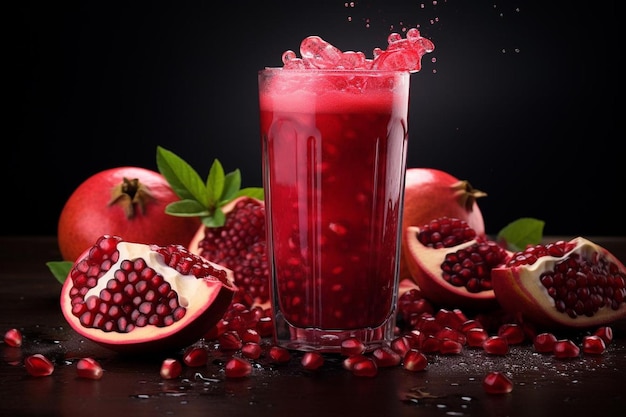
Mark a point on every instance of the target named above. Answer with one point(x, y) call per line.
point(199, 198)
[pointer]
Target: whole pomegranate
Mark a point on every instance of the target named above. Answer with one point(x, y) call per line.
point(124, 201)
point(431, 193)
point(138, 298)
point(571, 284)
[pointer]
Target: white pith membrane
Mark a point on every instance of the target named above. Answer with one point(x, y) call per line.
point(527, 288)
point(191, 291)
point(430, 259)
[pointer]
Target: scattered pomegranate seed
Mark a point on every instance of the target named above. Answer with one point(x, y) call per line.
point(430, 344)
point(565, 348)
point(230, 340)
point(366, 367)
point(312, 360)
point(38, 365)
point(386, 356)
point(496, 345)
point(196, 356)
point(13, 338)
point(237, 367)
point(250, 335)
point(606, 333)
point(593, 345)
point(476, 336)
point(279, 354)
point(513, 333)
point(414, 360)
point(401, 345)
point(451, 334)
point(497, 383)
point(544, 342)
point(89, 368)
point(251, 350)
point(171, 369)
point(352, 346)
point(450, 347)
point(349, 362)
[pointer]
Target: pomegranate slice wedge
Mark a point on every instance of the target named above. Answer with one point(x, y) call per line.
point(564, 284)
point(137, 298)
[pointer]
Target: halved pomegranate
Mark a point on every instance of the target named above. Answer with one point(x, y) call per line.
point(576, 284)
point(452, 265)
point(137, 298)
point(239, 245)
point(431, 193)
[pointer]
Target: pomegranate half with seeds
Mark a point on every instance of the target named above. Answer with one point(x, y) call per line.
point(432, 193)
point(576, 284)
point(137, 298)
point(239, 245)
point(452, 264)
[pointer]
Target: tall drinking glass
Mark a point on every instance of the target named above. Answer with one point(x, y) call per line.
point(334, 159)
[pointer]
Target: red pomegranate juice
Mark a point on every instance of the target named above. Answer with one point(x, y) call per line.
point(334, 148)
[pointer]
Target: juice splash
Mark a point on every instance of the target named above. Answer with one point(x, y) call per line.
point(334, 135)
point(402, 54)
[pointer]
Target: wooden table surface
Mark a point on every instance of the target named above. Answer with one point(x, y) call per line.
point(450, 386)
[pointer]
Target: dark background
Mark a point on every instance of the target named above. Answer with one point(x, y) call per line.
point(520, 98)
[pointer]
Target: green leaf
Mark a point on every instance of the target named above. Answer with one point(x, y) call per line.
point(183, 179)
point(187, 208)
point(517, 235)
point(215, 184)
point(60, 269)
point(232, 184)
point(254, 192)
point(218, 219)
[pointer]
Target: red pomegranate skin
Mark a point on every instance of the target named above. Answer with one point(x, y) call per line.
point(88, 213)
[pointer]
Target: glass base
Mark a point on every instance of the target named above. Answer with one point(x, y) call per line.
point(329, 341)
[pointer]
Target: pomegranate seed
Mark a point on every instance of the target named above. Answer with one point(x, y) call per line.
point(279, 354)
point(476, 336)
point(171, 369)
point(401, 345)
point(366, 367)
point(470, 324)
point(497, 383)
point(352, 346)
point(251, 350)
point(89, 368)
point(565, 348)
point(450, 347)
point(38, 365)
point(451, 334)
point(230, 340)
point(265, 325)
point(544, 342)
point(196, 356)
point(250, 335)
point(237, 367)
point(312, 360)
point(593, 345)
point(414, 360)
point(349, 362)
point(430, 344)
point(13, 338)
point(496, 345)
point(513, 333)
point(386, 356)
point(606, 333)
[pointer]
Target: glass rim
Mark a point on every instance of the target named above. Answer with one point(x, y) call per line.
point(333, 70)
